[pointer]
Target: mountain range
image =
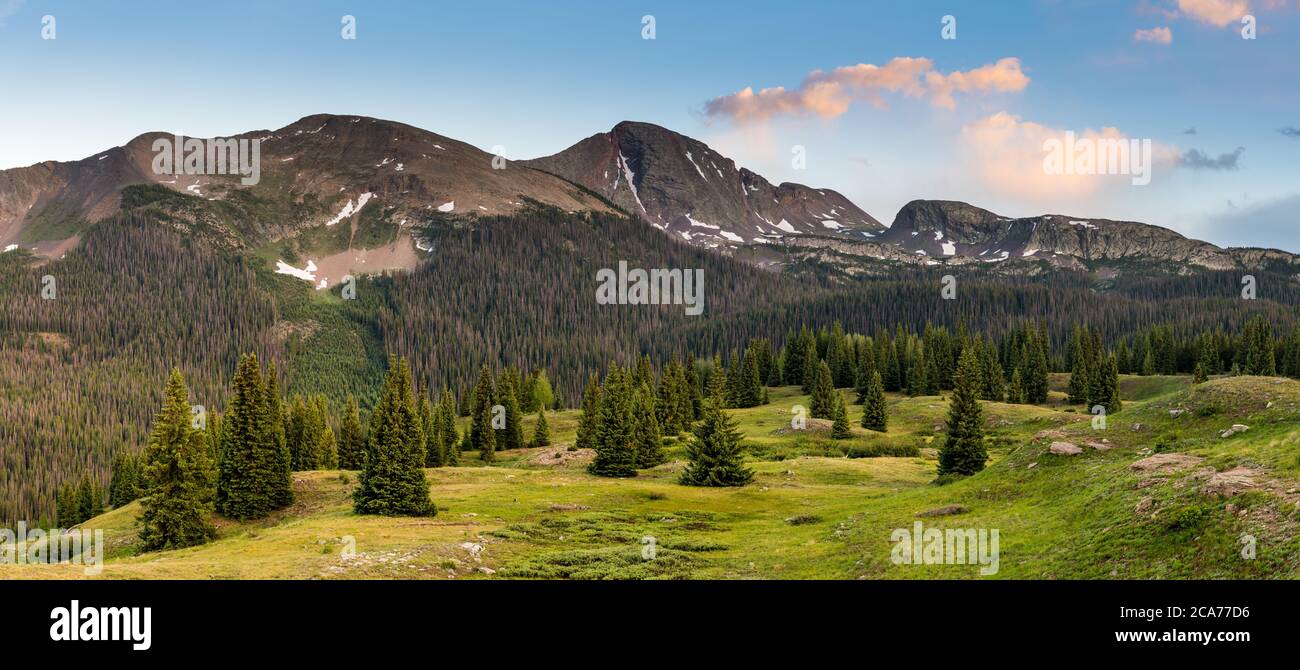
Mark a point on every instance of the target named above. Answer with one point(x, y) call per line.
point(388, 180)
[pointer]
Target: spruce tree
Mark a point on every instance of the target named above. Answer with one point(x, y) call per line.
point(124, 483)
point(351, 442)
point(512, 436)
point(811, 364)
point(1033, 377)
point(253, 472)
point(276, 464)
point(693, 386)
point(647, 435)
point(392, 480)
point(450, 436)
point(177, 476)
point(481, 435)
point(840, 429)
point(541, 431)
point(715, 455)
point(822, 403)
point(874, 413)
point(994, 385)
point(865, 373)
point(615, 439)
point(963, 451)
point(1015, 389)
point(589, 422)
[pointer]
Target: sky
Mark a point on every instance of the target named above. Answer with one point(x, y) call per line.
point(872, 97)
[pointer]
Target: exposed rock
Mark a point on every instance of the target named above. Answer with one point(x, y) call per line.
point(1032, 466)
point(1101, 446)
point(1177, 412)
point(1065, 449)
point(1165, 462)
point(946, 510)
point(1137, 427)
point(1229, 483)
point(1144, 506)
point(1236, 428)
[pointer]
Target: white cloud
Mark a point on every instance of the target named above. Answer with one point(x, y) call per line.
point(1159, 35)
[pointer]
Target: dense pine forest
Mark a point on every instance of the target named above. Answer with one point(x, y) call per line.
point(83, 372)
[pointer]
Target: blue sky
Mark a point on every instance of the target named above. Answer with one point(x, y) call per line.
point(535, 77)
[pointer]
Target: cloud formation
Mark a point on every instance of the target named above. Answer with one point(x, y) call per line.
point(1290, 131)
point(1197, 160)
point(1214, 12)
point(830, 94)
point(1006, 154)
point(1159, 35)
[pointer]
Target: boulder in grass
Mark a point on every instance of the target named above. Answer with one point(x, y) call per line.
point(946, 510)
point(1065, 449)
point(1236, 428)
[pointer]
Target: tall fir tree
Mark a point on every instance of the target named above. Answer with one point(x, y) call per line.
point(481, 436)
point(615, 439)
point(822, 402)
point(963, 451)
point(512, 436)
point(392, 480)
point(177, 476)
point(874, 412)
point(647, 434)
point(450, 436)
point(253, 472)
point(589, 421)
point(124, 483)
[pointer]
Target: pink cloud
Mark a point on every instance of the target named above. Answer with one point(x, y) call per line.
point(830, 94)
point(1214, 12)
point(1160, 35)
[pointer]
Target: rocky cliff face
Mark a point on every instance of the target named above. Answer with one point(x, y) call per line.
point(682, 186)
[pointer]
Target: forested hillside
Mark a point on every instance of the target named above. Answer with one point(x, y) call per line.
point(81, 373)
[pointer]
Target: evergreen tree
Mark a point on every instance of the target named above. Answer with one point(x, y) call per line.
point(918, 375)
point(811, 365)
point(481, 434)
point(450, 437)
point(994, 386)
point(1033, 377)
point(865, 375)
point(1105, 390)
point(277, 466)
point(840, 429)
point(512, 436)
point(874, 413)
point(647, 435)
point(715, 455)
point(253, 473)
point(963, 451)
point(615, 439)
point(351, 442)
point(1015, 389)
point(822, 403)
point(392, 480)
point(541, 431)
point(696, 390)
point(589, 422)
point(177, 477)
point(124, 484)
point(749, 383)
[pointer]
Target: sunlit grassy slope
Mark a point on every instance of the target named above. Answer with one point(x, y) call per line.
point(813, 513)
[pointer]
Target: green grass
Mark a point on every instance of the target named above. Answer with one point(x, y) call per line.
point(811, 513)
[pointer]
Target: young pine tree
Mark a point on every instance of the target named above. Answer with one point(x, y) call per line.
point(541, 431)
point(392, 480)
point(822, 403)
point(716, 456)
point(874, 414)
point(647, 435)
point(840, 429)
point(615, 438)
point(481, 435)
point(589, 422)
point(177, 477)
point(963, 451)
